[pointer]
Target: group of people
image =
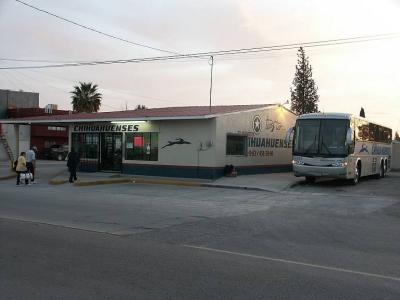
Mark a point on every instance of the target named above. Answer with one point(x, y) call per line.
point(26, 165)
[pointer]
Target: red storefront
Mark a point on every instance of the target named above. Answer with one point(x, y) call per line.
point(42, 136)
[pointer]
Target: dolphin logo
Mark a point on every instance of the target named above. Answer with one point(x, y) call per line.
point(178, 141)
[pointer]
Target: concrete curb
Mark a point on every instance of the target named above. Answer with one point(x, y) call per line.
point(137, 180)
point(57, 181)
point(168, 182)
point(248, 188)
point(8, 176)
point(102, 181)
point(134, 180)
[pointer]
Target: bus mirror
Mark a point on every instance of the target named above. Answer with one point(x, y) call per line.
point(349, 137)
point(289, 135)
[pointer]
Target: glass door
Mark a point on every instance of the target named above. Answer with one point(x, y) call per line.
point(111, 152)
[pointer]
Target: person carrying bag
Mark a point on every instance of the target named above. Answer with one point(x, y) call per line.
point(22, 169)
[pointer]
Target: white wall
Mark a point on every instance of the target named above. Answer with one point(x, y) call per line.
point(201, 135)
point(242, 124)
point(24, 137)
point(24, 140)
point(395, 156)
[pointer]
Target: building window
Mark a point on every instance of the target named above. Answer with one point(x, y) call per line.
point(236, 144)
point(141, 146)
point(86, 144)
point(56, 128)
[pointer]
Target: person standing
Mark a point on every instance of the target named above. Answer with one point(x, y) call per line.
point(21, 168)
point(72, 164)
point(31, 162)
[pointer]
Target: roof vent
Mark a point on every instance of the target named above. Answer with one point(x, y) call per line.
point(48, 109)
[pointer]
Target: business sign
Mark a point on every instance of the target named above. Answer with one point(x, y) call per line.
point(120, 127)
point(270, 125)
point(264, 146)
point(259, 146)
point(106, 128)
point(257, 124)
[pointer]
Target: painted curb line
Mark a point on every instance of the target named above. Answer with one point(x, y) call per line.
point(57, 181)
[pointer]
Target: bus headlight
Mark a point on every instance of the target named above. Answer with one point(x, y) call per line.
point(339, 163)
point(297, 162)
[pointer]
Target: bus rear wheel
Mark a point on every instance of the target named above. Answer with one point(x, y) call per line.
point(382, 170)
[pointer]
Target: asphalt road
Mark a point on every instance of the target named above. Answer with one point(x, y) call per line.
point(159, 242)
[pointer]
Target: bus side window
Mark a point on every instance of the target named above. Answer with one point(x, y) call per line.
point(363, 130)
point(373, 132)
point(387, 135)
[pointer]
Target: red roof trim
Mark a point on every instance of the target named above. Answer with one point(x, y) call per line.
point(189, 112)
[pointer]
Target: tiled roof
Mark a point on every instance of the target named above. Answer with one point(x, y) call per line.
point(189, 112)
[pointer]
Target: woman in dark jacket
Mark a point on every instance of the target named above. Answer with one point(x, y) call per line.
point(72, 164)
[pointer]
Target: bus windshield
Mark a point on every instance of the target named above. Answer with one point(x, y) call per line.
point(325, 137)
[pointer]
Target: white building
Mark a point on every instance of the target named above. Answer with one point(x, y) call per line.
point(180, 141)
point(395, 156)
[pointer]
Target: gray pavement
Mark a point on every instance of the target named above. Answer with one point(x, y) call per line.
point(46, 169)
point(274, 182)
point(47, 262)
point(329, 240)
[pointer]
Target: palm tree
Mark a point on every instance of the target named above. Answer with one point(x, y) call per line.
point(85, 98)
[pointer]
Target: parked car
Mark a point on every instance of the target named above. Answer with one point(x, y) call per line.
point(58, 152)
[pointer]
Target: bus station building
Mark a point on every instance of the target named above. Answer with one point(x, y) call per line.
point(192, 141)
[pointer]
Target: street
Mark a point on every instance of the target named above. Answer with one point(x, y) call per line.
point(130, 241)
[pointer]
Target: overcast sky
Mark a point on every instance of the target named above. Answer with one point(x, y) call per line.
point(348, 76)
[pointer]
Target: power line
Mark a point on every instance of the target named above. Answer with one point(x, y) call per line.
point(95, 30)
point(358, 39)
point(351, 40)
point(37, 60)
point(126, 93)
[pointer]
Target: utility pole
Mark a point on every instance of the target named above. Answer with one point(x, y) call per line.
point(211, 63)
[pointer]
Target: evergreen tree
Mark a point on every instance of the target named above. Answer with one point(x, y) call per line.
point(362, 112)
point(397, 137)
point(85, 98)
point(303, 93)
point(140, 106)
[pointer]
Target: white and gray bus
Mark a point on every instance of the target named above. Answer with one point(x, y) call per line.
point(339, 145)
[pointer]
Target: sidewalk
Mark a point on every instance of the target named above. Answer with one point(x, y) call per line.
point(274, 182)
point(99, 178)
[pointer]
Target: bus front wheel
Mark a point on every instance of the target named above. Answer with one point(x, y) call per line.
point(357, 174)
point(310, 179)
